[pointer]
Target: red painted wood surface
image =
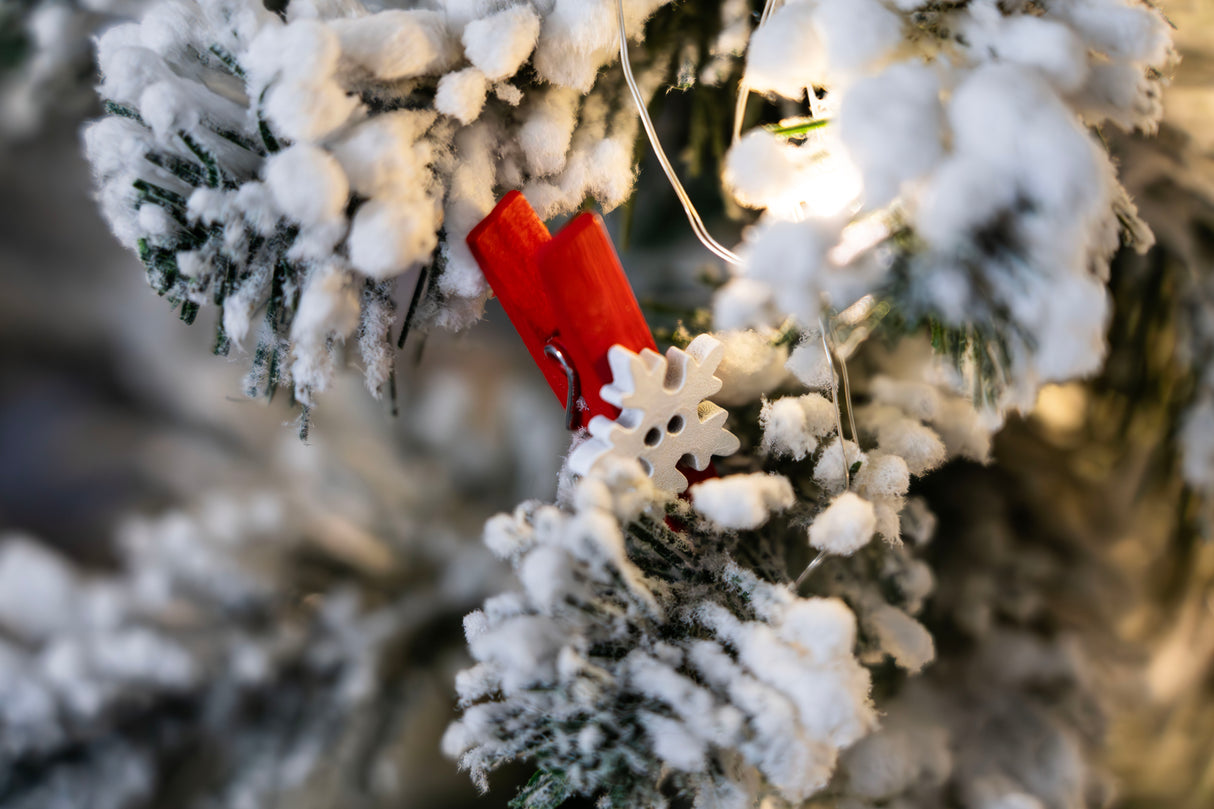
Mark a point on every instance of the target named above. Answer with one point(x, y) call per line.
point(568, 290)
point(581, 272)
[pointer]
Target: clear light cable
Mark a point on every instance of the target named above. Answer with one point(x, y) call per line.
point(693, 216)
point(739, 110)
point(851, 411)
point(834, 399)
point(817, 560)
point(724, 253)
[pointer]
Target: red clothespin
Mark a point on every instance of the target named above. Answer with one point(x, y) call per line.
point(568, 298)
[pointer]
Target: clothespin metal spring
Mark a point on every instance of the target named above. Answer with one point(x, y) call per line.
point(553, 351)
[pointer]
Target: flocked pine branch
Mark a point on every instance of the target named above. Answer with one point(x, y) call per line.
point(639, 662)
point(958, 181)
point(314, 175)
point(988, 230)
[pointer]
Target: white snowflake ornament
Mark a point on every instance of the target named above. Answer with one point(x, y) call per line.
point(664, 418)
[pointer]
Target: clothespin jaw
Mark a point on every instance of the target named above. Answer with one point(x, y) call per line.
point(567, 296)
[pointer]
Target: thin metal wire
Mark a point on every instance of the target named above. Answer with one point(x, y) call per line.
point(693, 216)
point(834, 398)
point(851, 411)
point(767, 9)
point(552, 351)
point(739, 110)
point(817, 560)
point(701, 232)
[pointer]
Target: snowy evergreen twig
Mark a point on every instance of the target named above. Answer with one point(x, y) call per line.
point(992, 214)
point(322, 167)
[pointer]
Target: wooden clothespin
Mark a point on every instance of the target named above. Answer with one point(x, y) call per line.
point(570, 301)
point(567, 296)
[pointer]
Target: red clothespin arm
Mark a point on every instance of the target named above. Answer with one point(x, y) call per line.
point(567, 293)
point(595, 305)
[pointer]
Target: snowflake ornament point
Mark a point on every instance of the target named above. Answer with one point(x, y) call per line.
point(664, 419)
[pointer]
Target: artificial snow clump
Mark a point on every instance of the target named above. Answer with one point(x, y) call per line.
point(902, 637)
point(308, 185)
point(845, 526)
point(904, 756)
point(753, 365)
point(744, 303)
point(837, 460)
point(926, 424)
point(787, 55)
point(793, 426)
point(327, 306)
point(858, 35)
point(32, 574)
point(883, 475)
point(499, 43)
point(578, 37)
point(764, 170)
point(730, 42)
point(742, 502)
point(793, 259)
point(919, 447)
point(904, 99)
point(811, 366)
point(462, 94)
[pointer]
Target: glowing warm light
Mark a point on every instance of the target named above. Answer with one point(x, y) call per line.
point(833, 184)
point(1061, 407)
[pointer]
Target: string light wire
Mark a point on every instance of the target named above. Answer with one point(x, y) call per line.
point(724, 253)
point(693, 216)
point(834, 399)
point(739, 110)
point(817, 560)
point(701, 232)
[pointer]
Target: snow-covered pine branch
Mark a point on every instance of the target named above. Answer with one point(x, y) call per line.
point(950, 178)
point(315, 174)
point(952, 169)
point(638, 662)
point(635, 660)
point(226, 648)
